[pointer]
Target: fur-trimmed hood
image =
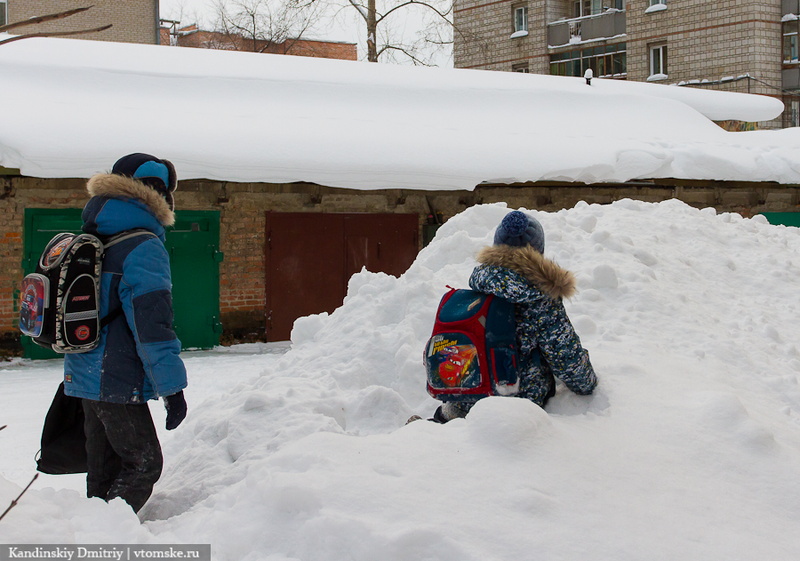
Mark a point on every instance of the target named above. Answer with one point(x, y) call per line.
point(543, 273)
point(121, 187)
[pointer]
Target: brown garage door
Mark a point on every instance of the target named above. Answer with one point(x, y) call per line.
point(311, 256)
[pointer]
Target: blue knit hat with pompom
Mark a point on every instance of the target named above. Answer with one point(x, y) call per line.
point(518, 230)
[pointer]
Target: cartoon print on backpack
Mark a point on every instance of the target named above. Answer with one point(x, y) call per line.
point(472, 350)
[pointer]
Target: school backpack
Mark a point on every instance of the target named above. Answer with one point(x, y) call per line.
point(60, 302)
point(472, 352)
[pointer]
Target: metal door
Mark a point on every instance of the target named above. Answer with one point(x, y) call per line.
point(385, 243)
point(193, 246)
point(311, 257)
point(785, 218)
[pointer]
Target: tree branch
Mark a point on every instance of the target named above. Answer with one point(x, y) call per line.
point(409, 54)
point(439, 13)
point(258, 25)
point(359, 8)
point(42, 19)
point(15, 501)
point(54, 34)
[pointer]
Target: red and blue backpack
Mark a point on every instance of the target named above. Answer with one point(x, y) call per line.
point(472, 352)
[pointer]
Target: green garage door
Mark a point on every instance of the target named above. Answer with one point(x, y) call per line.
point(785, 218)
point(193, 244)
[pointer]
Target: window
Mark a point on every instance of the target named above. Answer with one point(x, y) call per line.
point(656, 6)
point(581, 8)
point(521, 18)
point(658, 62)
point(605, 61)
point(790, 29)
point(794, 113)
point(521, 67)
point(3, 12)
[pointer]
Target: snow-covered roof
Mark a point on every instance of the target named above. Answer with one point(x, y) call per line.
point(72, 107)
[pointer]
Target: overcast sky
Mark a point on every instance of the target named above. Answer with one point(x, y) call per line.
point(340, 24)
point(204, 12)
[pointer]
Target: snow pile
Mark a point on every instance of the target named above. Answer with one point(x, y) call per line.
point(689, 449)
point(245, 117)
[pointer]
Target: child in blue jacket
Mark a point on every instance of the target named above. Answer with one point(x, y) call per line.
point(138, 355)
point(515, 269)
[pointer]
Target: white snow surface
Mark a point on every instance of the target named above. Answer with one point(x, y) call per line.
point(688, 450)
point(80, 105)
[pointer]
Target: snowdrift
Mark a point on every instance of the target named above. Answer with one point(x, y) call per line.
point(689, 449)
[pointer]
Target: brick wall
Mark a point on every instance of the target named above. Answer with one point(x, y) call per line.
point(242, 286)
point(10, 259)
point(483, 35)
point(243, 208)
point(133, 21)
point(709, 41)
point(299, 47)
point(321, 49)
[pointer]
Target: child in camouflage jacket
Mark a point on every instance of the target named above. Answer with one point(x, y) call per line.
point(515, 269)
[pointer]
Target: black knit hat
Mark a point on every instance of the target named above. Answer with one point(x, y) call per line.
point(154, 172)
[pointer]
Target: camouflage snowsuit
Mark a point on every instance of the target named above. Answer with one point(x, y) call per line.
point(548, 344)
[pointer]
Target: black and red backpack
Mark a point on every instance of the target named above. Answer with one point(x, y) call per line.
point(59, 304)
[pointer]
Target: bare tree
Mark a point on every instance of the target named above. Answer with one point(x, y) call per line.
point(389, 36)
point(416, 31)
point(259, 25)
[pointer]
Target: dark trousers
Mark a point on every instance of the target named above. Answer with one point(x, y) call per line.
point(124, 455)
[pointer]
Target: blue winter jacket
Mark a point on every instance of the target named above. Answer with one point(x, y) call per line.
point(548, 344)
point(138, 355)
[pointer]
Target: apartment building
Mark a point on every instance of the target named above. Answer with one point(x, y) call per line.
point(132, 21)
point(733, 45)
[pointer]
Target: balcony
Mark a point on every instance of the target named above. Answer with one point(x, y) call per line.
point(610, 23)
point(790, 7)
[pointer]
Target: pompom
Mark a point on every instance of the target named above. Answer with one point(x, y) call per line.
point(515, 223)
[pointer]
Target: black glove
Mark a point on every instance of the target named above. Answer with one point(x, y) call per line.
point(176, 409)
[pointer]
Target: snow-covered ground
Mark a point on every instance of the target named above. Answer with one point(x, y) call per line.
point(688, 450)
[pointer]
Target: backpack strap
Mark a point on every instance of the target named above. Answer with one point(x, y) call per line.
point(126, 235)
point(113, 240)
point(110, 316)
